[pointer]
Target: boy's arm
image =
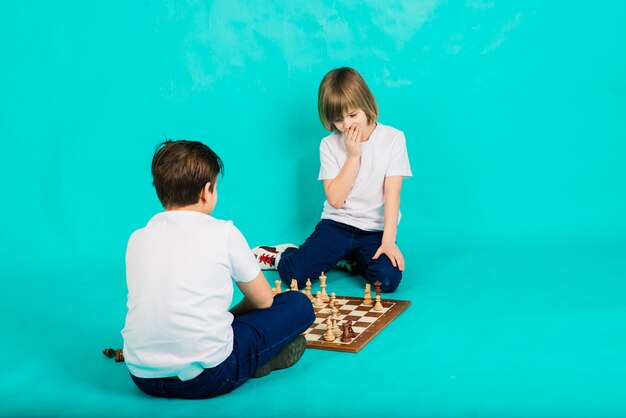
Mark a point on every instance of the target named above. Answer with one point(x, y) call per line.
point(338, 189)
point(257, 294)
point(392, 188)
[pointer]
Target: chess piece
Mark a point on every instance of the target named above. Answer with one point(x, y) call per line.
point(322, 280)
point(336, 329)
point(294, 285)
point(377, 285)
point(308, 288)
point(278, 289)
point(273, 291)
point(345, 337)
point(109, 352)
point(325, 297)
point(335, 313)
point(119, 356)
point(317, 302)
point(378, 306)
point(332, 299)
point(367, 299)
point(329, 335)
point(350, 330)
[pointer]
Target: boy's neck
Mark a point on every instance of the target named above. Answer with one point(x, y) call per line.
point(370, 130)
point(198, 207)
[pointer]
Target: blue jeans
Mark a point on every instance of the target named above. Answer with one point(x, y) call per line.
point(333, 241)
point(258, 335)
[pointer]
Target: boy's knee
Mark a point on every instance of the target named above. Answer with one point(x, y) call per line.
point(388, 275)
point(299, 306)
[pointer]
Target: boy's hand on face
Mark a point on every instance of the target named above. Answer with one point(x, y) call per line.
point(352, 138)
point(393, 252)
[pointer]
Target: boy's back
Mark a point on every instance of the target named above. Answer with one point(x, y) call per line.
point(179, 270)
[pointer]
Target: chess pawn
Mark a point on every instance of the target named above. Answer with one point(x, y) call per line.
point(329, 335)
point(317, 302)
point(332, 299)
point(294, 285)
point(278, 289)
point(378, 306)
point(335, 313)
point(367, 299)
point(336, 329)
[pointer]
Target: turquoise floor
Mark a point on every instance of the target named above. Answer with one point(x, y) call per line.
point(491, 333)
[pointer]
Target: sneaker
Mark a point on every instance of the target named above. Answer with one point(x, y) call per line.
point(287, 357)
point(268, 257)
point(347, 265)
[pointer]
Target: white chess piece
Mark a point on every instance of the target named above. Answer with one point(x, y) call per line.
point(278, 289)
point(317, 302)
point(329, 335)
point(378, 306)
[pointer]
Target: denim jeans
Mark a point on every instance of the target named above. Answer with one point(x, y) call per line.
point(258, 335)
point(333, 241)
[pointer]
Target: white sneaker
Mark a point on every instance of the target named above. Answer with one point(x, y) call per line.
point(269, 256)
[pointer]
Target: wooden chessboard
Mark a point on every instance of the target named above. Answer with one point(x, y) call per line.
point(366, 322)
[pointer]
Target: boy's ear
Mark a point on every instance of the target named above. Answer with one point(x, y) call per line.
point(206, 191)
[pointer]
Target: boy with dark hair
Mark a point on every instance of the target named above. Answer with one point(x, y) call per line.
point(180, 339)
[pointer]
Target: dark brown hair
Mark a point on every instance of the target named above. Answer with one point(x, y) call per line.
point(341, 90)
point(180, 169)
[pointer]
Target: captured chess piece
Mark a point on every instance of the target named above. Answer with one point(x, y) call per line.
point(308, 289)
point(119, 356)
point(294, 285)
point(278, 289)
point(109, 352)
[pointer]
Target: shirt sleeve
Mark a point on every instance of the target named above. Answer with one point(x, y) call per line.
point(399, 163)
point(242, 263)
point(329, 166)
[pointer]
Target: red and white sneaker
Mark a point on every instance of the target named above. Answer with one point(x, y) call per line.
point(269, 256)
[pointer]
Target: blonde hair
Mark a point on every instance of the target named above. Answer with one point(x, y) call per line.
point(342, 90)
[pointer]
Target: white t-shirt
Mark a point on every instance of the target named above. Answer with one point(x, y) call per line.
point(178, 272)
point(383, 155)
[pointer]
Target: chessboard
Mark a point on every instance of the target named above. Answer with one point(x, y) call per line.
point(366, 322)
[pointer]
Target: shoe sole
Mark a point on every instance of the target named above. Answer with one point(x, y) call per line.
point(287, 357)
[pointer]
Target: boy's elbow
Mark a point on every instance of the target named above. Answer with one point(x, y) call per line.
point(335, 203)
point(266, 302)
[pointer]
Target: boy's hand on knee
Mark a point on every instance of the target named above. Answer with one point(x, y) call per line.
point(392, 251)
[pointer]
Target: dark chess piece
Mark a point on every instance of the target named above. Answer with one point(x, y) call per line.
point(350, 330)
point(345, 337)
point(109, 352)
point(119, 356)
point(377, 285)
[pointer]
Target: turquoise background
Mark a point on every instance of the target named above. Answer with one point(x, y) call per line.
point(513, 224)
